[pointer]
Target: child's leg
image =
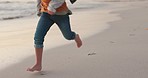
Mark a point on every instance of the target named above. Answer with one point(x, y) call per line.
point(43, 26)
point(78, 41)
point(63, 23)
point(38, 65)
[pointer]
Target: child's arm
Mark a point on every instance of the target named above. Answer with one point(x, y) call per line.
point(53, 5)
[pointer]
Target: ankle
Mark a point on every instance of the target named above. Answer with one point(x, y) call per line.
point(38, 64)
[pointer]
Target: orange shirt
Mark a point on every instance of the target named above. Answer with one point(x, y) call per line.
point(45, 4)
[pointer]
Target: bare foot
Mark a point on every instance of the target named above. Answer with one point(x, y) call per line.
point(35, 68)
point(78, 41)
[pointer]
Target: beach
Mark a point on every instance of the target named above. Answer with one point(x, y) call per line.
point(114, 39)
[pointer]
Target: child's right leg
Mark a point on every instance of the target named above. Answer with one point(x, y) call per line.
point(38, 65)
point(43, 26)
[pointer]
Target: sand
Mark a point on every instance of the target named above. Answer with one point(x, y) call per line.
point(119, 50)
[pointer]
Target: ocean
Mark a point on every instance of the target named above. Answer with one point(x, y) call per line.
point(14, 9)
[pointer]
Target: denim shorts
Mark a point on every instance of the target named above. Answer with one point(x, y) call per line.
point(44, 24)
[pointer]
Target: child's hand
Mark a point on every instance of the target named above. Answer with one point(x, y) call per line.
point(50, 12)
point(73, 1)
point(39, 14)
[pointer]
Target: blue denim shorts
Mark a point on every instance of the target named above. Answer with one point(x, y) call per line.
point(44, 24)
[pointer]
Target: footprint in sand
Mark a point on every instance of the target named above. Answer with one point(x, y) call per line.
point(42, 73)
point(131, 34)
point(111, 41)
point(91, 54)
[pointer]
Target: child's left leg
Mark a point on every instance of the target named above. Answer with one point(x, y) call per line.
point(63, 23)
point(78, 41)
